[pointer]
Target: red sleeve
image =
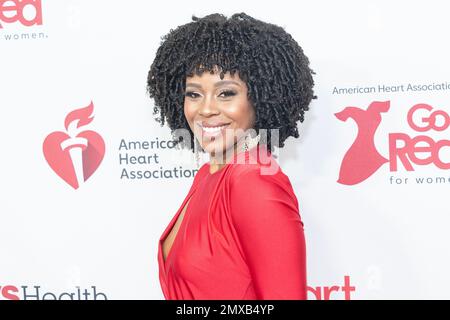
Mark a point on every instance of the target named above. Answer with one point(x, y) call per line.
point(265, 213)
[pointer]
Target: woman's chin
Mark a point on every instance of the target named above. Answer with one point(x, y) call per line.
point(214, 149)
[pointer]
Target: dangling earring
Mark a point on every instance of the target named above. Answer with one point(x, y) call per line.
point(250, 142)
point(245, 146)
point(197, 152)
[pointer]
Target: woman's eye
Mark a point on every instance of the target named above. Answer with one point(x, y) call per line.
point(227, 93)
point(191, 94)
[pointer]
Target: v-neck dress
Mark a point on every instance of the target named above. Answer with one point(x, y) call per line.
point(241, 237)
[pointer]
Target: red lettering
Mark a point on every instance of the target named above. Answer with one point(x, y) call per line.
point(8, 292)
point(8, 6)
point(13, 10)
point(347, 288)
point(327, 291)
point(316, 291)
point(430, 121)
point(411, 114)
point(437, 161)
point(413, 149)
point(408, 152)
point(399, 152)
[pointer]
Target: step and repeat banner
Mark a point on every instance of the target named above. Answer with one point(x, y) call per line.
point(89, 180)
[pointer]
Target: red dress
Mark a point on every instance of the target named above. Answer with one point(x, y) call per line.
point(241, 237)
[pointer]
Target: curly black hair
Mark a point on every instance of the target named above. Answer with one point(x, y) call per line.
point(266, 57)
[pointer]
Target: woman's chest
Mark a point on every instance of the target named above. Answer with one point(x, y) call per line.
point(206, 237)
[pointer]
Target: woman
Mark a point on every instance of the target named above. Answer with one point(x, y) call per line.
point(235, 84)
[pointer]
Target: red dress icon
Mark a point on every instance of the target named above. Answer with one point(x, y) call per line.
point(362, 159)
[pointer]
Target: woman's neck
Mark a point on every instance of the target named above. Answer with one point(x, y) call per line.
point(218, 162)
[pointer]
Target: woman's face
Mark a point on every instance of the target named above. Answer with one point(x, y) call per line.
point(218, 110)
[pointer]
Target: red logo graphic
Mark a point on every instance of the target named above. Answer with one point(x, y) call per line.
point(362, 159)
point(14, 10)
point(75, 154)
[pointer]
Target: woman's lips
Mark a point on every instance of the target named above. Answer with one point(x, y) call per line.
point(212, 131)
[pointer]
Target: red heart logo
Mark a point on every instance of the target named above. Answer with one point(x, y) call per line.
point(61, 162)
point(60, 158)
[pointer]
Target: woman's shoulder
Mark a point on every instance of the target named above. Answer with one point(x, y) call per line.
point(257, 167)
point(260, 185)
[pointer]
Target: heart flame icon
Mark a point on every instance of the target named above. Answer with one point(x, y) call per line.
point(76, 154)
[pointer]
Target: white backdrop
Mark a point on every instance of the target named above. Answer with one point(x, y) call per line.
point(380, 237)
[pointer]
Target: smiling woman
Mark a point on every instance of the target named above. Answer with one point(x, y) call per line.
point(219, 113)
point(232, 82)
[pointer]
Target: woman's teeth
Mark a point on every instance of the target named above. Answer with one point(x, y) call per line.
point(213, 129)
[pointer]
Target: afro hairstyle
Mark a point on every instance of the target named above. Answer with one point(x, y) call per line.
point(266, 57)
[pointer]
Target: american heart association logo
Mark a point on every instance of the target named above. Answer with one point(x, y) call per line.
point(76, 154)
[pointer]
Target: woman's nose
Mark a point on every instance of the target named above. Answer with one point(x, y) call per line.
point(208, 107)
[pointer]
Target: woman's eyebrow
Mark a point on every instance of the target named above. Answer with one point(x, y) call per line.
point(224, 82)
point(195, 85)
point(217, 84)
